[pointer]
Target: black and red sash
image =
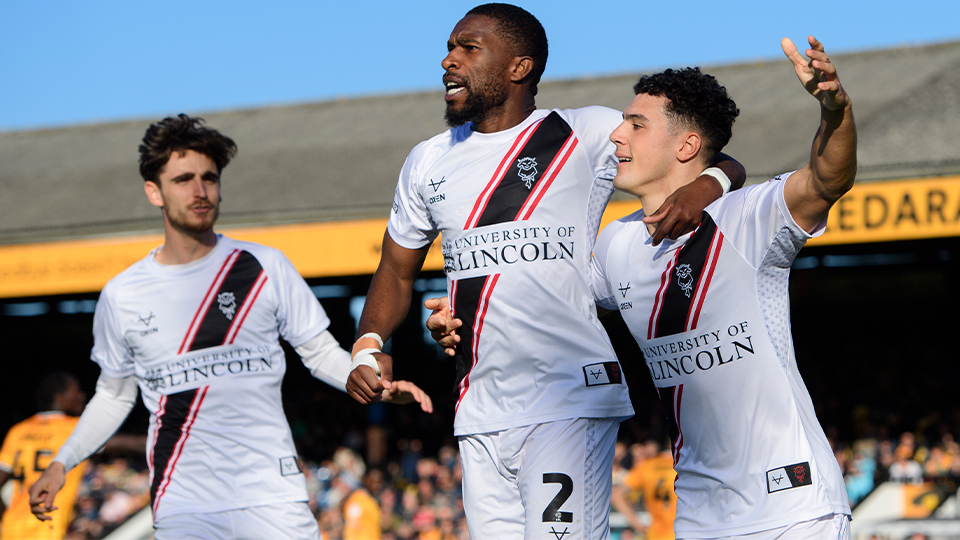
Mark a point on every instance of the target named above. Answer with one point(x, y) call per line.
point(519, 183)
point(226, 304)
point(174, 420)
point(685, 281)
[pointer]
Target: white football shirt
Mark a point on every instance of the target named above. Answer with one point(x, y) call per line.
point(519, 211)
point(711, 314)
point(202, 339)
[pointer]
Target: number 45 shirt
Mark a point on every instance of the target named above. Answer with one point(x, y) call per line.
point(711, 315)
point(27, 451)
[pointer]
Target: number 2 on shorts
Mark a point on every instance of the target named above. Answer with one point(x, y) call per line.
point(553, 513)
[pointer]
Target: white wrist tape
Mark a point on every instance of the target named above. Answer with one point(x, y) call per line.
point(376, 336)
point(720, 176)
point(365, 358)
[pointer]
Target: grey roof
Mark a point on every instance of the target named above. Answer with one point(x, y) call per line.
point(339, 159)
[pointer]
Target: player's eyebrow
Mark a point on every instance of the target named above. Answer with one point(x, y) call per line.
point(635, 116)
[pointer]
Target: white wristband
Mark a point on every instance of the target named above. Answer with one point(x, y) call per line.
point(365, 358)
point(376, 336)
point(720, 176)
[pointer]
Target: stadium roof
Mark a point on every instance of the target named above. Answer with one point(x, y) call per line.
point(338, 160)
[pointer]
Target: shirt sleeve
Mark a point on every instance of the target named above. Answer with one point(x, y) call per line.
point(110, 349)
point(7, 451)
point(410, 224)
point(599, 284)
point(593, 126)
point(300, 317)
point(752, 218)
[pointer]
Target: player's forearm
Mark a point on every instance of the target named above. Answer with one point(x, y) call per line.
point(833, 157)
point(388, 300)
point(102, 417)
point(735, 172)
point(387, 304)
point(326, 361)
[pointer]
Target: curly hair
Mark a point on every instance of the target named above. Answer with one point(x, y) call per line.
point(695, 100)
point(179, 134)
point(520, 31)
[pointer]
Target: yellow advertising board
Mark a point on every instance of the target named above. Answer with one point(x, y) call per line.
point(870, 212)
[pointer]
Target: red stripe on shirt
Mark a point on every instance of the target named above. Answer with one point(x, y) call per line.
point(560, 160)
point(477, 328)
point(245, 309)
point(498, 175)
point(658, 299)
point(208, 298)
point(178, 449)
point(705, 279)
point(161, 408)
point(677, 398)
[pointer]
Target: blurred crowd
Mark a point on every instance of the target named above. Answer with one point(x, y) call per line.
point(866, 463)
point(111, 492)
point(417, 496)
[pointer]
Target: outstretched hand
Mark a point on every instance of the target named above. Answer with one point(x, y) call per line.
point(45, 489)
point(363, 384)
point(403, 392)
point(443, 327)
point(818, 74)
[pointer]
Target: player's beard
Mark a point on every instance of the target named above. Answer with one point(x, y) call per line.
point(181, 221)
point(481, 99)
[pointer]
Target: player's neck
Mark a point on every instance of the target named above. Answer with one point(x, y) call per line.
point(657, 192)
point(180, 247)
point(510, 113)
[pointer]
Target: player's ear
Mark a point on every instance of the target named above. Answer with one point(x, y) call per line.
point(689, 146)
point(522, 67)
point(153, 193)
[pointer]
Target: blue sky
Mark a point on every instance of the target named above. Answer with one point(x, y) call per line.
point(64, 63)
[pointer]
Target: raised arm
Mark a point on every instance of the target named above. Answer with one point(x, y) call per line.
point(811, 191)
point(387, 304)
point(681, 212)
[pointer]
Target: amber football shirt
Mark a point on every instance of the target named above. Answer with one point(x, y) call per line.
point(27, 451)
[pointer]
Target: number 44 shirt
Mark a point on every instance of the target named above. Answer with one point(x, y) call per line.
point(711, 315)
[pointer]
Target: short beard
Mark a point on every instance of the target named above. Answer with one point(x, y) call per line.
point(195, 230)
point(480, 101)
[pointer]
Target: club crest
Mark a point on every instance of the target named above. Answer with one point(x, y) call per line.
point(685, 278)
point(528, 170)
point(228, 304)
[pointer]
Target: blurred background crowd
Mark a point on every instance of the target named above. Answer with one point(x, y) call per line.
point(416, 495)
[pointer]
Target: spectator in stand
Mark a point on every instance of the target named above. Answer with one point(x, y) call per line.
point(861, 470)
point(653, 478)
point(905, 469)
point(361, 513)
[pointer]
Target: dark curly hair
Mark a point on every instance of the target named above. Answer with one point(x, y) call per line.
point(180, 134)
point(520, 31)
point(696, 100)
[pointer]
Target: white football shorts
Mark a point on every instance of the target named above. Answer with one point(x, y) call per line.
point(828, 527)
point(540, 481)
point(282, 520)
